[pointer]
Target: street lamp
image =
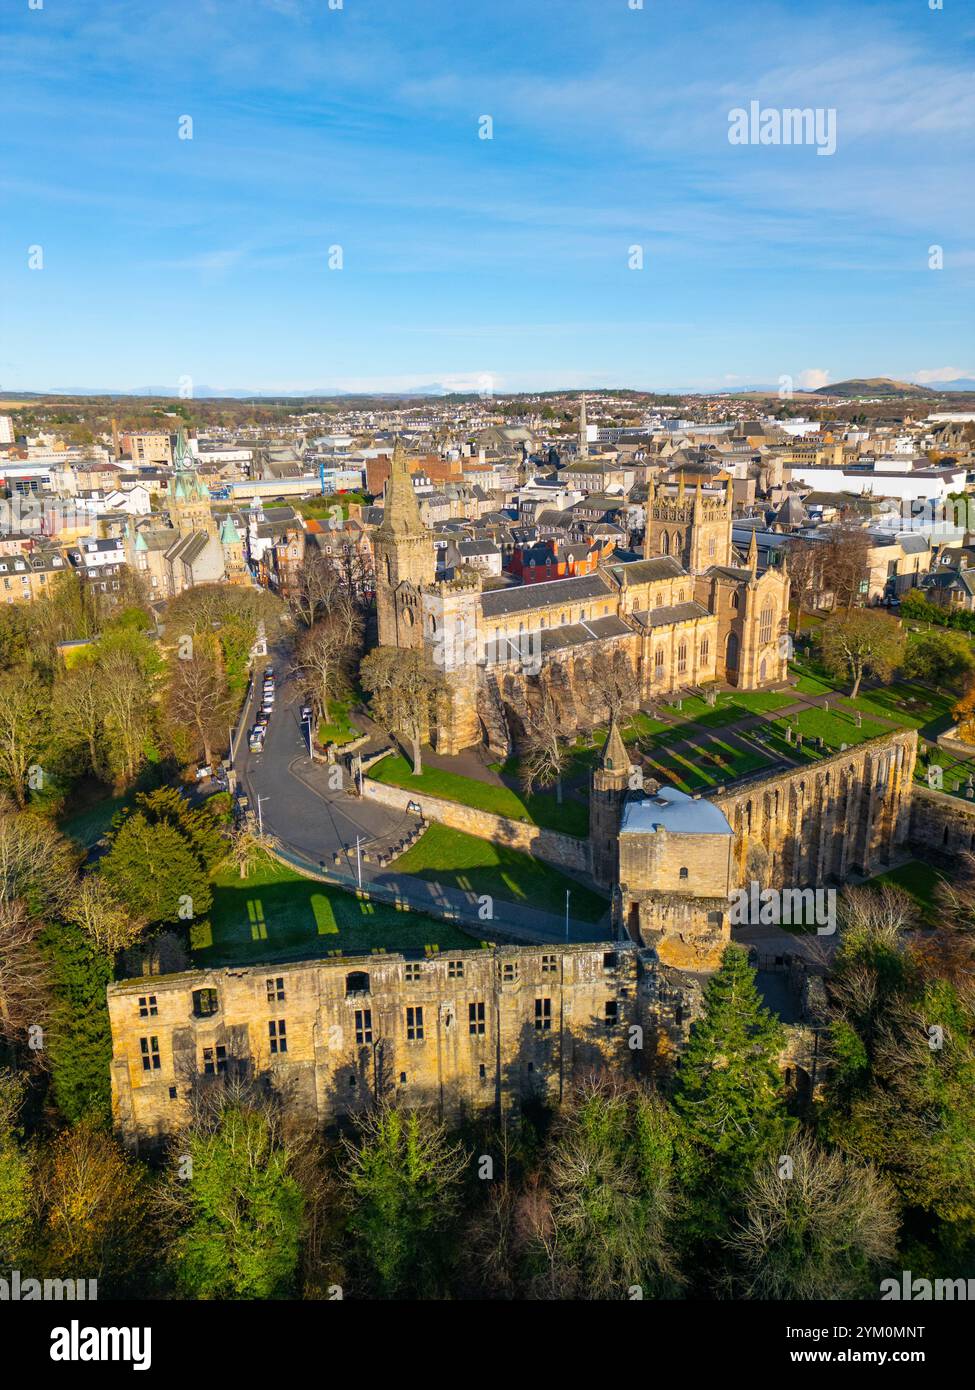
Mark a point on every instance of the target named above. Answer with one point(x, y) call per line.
point(260, 818)
point(358, 860)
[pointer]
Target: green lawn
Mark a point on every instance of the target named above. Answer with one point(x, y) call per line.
point(542, 808)
point(88, 825)
point(339, 728)
point(917, 879)
point(457, 860)
point(277, 912)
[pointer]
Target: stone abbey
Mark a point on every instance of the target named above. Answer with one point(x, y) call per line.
point(683, 615)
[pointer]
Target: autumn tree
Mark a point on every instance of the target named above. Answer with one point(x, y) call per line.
point(24, 730)
point(941, 658)
point(405, 689)
point(861, 642)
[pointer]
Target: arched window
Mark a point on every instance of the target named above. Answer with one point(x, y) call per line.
point(389, 569)
point(682, 659)
point(664, 543)
point(765, 626)
point(678, 542)
point(731, 652)
point(705, 650)
point(658, 664)
point(711, 548)
point(735, 601)
point(683, 873)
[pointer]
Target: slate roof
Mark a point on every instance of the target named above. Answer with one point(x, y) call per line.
point(529, 596)
point(675, 613)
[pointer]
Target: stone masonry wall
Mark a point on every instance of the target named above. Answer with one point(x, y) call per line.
point(565, 851)
point(461, 1032)
point(942, 826)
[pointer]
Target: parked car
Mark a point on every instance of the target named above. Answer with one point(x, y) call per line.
point(306, 711)
point(269, 672)
point(256, 744)
point(264, 718)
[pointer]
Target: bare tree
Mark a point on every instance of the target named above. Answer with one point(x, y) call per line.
point(805, 560)
point(24, 998)
point(845, 563)
point(127, 709)
point(321, 663)
point(405, 689)
point(612, 684)
point(109, 926)
point(860, 642)
point(197, 697)
point(78, 702)
point(546, 751)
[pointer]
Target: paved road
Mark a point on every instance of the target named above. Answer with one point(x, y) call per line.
point(303, 812)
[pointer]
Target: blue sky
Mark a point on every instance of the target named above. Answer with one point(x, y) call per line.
point(468, 261)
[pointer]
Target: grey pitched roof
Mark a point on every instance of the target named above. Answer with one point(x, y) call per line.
point(528, 596)
point(676, 613)
point(648, 571)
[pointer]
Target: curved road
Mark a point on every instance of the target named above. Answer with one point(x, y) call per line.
point(304, 812)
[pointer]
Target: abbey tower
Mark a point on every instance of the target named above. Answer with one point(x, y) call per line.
point(405, 559)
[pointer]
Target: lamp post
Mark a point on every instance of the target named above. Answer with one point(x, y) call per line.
point(260, 817)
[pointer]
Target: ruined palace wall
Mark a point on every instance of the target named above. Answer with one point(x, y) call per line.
point(848, 813)
point(461, 1032)
point(565, 851)
point(942, 826)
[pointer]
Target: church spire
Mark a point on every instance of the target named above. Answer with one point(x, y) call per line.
point(614, 756)
point(401, 511)
point(753, 554)
point(583, 429)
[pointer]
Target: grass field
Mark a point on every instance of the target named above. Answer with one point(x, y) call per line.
point(542, 808)
point(339, 727)
point(917, 879)
point(88, 825)
point(456, 860)
point(277, 911)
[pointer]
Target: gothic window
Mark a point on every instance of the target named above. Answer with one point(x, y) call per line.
point(658, 666)
point(678, 542)
point(705, 650)
point(664, 543)
point(711, 548)
point(731, 657)
point(660, 601)
point(735, 601)
point(765, 626)
point(389, 569)
point(680, 595)
point(682, 659)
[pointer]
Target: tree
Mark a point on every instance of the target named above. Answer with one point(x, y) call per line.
point(546, 750)
point(941, 658)
point(861, 642)
point(846, 563)
point(24, 729)
point(97, 1210)
point(78, 710)
point(128, 673)
point(155, 870)
point(403, 1181)
point(405, 689)
point(805, 561)
point(613, 684)
point(320, 661)
point(78, 1039)
point(107, 923)
point(16, 1172)
point(239, 1210)
point(197, 698)
point(729, 1092)
point(816, 1225)
point(610, 1176)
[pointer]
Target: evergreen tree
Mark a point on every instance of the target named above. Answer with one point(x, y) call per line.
point(78, 1040)
point(729, 1092)
point(403, 1180)
point(155, 869)
point(238, 1206)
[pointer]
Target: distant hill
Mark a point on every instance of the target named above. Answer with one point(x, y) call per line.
point(870, 386)
point(961, 383)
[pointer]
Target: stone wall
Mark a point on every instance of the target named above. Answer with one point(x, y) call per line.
point(849, 813)
point(565, 851)
point(942, 826)
point(463, 1032)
